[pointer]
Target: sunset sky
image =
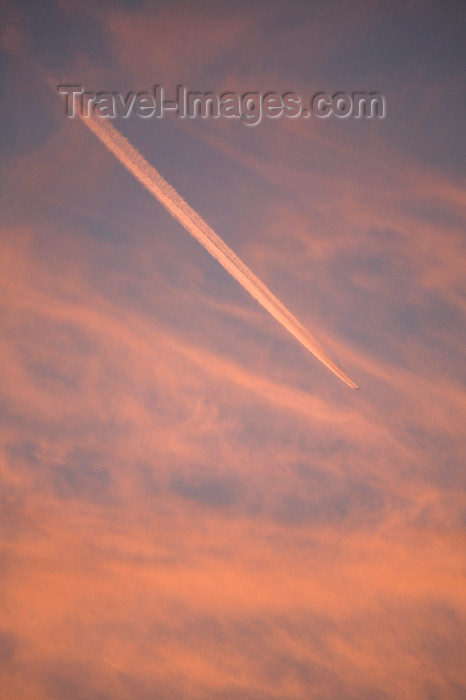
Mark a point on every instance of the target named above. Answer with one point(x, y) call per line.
point(193, 506)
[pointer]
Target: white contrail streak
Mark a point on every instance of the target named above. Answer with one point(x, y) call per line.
point(197, 227)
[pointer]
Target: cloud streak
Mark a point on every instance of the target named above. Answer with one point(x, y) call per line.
point(151, 179)
point(188, 514)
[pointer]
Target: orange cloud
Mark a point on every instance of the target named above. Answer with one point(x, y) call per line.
point(191, 507)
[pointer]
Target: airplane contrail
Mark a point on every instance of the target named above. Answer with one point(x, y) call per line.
point(148, 176)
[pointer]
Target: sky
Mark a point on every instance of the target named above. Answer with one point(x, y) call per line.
point(193, 506)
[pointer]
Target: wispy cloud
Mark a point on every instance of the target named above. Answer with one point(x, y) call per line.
point(191, 508)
